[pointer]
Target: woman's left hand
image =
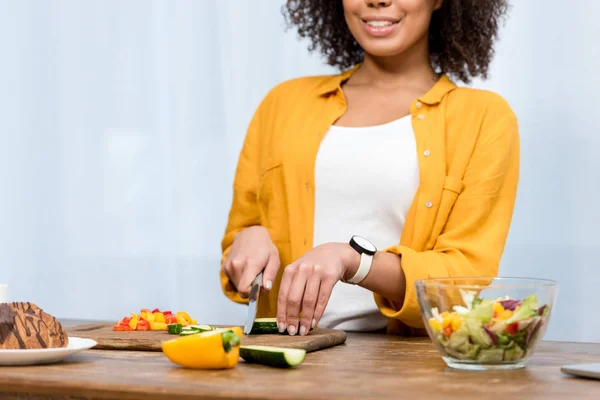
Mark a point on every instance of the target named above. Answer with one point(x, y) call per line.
point(307, 283)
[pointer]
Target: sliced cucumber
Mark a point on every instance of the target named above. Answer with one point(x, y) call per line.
point(174, 329)
point(201, 328)
point(273, 356)
point(264, 326)
point(189, 332)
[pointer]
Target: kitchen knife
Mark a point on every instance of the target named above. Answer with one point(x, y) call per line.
point(253, 302)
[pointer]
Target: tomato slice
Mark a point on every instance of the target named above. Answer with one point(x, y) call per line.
point(513, 328)
point(448, 331)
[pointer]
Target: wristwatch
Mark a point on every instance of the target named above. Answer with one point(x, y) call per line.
point(366, 250)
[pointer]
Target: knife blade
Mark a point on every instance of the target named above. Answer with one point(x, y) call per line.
point(253, 302)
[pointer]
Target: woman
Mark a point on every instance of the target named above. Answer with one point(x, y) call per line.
point(391, 150)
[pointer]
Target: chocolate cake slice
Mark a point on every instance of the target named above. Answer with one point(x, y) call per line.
point(26, 326)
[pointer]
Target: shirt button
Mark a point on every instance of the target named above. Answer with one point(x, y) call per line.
point(421, 116)
point(426, 153)
point(418, 104)
point(428, 204)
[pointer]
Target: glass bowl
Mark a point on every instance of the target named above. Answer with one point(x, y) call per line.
point(481, 323)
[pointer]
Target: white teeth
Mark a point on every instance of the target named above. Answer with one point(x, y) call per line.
point(378, 24)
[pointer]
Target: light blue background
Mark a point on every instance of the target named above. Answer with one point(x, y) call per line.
point(121, 122)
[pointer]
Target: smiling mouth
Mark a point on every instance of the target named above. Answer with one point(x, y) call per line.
point(380, 24)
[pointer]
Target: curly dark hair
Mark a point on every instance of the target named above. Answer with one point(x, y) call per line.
point(461, 34)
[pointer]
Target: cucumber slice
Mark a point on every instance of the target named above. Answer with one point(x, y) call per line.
point(201, 328)
point(264, 326)
point(189, 332)
point(272, 356)
point(174, 329)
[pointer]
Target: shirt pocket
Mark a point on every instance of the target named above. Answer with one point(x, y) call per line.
point(452, 189)
point(272, 201)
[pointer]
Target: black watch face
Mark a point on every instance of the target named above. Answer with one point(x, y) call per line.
point(365, 244)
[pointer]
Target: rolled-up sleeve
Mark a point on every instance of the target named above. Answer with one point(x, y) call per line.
point(475, 233)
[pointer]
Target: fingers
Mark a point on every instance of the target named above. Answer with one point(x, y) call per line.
point(250, 271)
point(309, 301)
point(271, 269)
point(295, 296)
point(233, 268)
point(284, 289)
point(327, 284)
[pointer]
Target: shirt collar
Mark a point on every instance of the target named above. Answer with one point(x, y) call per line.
point(434, 96)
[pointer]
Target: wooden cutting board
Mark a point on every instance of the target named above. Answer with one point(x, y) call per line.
point(108, 339)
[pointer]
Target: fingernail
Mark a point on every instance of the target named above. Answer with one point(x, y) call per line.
point(302, 330)
point(281, 327)
point(268, 285)
point(314, 323)
point(292, 330)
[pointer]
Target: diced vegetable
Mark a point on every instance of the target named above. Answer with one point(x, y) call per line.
point(152, 320)
point(158, 326)
point(174, 329)
point(143, 325)
point(159, 317)
point(133, 322)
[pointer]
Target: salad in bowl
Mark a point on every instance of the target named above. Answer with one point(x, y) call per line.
point(483, 332)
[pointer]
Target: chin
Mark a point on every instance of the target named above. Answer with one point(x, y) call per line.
point(382, 50)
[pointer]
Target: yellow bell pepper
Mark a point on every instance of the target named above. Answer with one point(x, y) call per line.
point(158, 326)
point(456, 323)
point(147, 315)
point(209, 350)
point(498, 308)
point(506, 314)
point(183, 315)
point(159, 317)
point(435, 325)
point(133, 322)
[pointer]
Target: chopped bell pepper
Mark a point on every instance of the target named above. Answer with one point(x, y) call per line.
point(159, 317)
point(155, 310)
point(133, 322)
point(170, 319)
point(147, 315)
point(122, 328)
point(184, 315)
point(143, 325)
point(158, 326)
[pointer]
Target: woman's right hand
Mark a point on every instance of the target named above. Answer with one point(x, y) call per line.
point(252, 251)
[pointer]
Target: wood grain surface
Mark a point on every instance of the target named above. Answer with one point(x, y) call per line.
point(108, 339)
point(373, 366)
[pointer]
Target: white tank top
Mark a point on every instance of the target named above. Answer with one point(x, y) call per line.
point(365, 181)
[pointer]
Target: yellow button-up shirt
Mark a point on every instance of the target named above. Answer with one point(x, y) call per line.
point(468, 151)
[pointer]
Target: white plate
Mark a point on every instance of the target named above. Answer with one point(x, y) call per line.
point(45, 356)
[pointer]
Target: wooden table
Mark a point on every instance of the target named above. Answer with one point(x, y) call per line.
point(366, 367)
